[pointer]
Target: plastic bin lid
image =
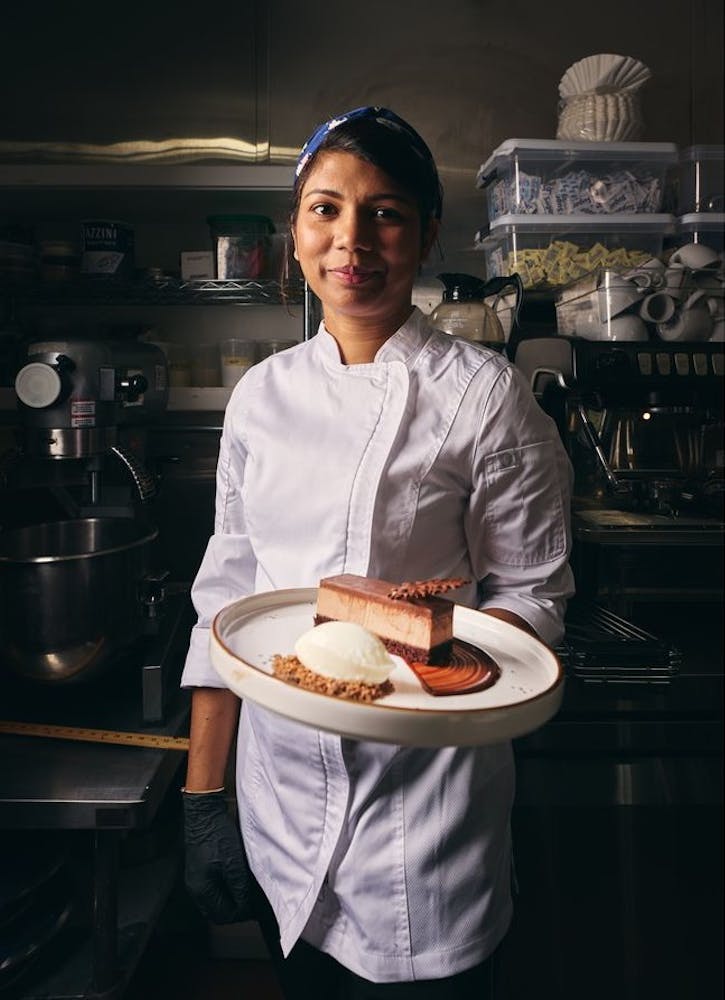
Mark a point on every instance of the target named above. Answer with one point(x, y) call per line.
point(563, 149)
point(702, 220)
point(635, 221)
point(703, 153)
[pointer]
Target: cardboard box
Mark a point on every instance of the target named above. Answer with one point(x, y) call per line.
point(196, 265)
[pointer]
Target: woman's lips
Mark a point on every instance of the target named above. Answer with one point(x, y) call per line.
point(353, 275)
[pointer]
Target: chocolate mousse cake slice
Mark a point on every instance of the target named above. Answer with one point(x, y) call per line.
point(410, 619)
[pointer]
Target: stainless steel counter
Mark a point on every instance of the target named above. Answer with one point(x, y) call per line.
point(621, 527)
point(98, 797)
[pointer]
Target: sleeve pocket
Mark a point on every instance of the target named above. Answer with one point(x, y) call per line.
point(524, 516)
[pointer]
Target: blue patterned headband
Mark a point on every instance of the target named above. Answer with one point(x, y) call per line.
point(383, 116)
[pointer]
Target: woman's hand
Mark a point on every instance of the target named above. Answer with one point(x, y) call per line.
point(216, 872)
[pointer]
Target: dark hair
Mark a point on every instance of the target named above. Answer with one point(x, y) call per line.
point(391, 151)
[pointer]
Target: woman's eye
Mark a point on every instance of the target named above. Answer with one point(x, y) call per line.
point(389, 214)
point(323, 209)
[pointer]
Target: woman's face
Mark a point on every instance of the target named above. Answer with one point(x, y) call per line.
point(359, 242)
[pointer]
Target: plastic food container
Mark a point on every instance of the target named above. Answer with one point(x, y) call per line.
point(266, 348)
point(177, 360)
point(701, 178)
point(558, 177)
point(17, 260)
point(59, 260)
point(549, 251)
point(236, 356)
point(242, 245)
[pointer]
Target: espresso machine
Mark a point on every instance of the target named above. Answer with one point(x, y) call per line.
point(643, 426)
point(82, 585)
point(643, 422)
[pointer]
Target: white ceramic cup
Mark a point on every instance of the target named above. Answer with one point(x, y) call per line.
point(650, 275)
point(587, 324)
point(657, 307)
point(712, 282)
point(696, 256)
point(626, 326)
point(677, 281)
point(718, 331)
point(692, 321)
point(716, 305)
point(616, 296)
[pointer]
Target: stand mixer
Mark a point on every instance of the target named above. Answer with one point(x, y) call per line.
point(76, 549)
point(74, 397)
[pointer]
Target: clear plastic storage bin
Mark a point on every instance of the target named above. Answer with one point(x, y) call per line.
point(550, 251)
point(557, 177)
point(707, 228)
point(645, 303)
point(242, 245)
point(701, 177)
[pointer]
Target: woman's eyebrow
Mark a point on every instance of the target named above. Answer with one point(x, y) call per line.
point(331, 193)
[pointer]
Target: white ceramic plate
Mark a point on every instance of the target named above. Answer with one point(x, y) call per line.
point(247, 634)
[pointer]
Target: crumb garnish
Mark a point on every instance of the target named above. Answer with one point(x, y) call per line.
point(419, 589)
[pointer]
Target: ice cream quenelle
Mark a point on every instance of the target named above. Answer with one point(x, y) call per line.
point(345, 652)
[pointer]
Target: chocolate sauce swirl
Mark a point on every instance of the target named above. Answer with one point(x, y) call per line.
point(467, 669)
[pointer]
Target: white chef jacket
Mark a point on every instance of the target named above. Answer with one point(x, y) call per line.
point(434, 460)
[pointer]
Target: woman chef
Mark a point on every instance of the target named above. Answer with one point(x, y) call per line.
point(384, 448)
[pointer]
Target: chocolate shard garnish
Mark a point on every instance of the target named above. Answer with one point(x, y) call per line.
point(420, 589)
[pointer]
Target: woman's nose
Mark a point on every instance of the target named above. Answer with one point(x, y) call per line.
point(354, 231)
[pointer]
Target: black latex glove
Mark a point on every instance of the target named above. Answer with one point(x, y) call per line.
point(216, 872)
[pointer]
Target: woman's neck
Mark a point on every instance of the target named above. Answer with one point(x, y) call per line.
point(359, 340)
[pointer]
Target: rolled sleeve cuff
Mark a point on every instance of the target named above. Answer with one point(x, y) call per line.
point(198, 669)
point(540, 603)
point(544, 617)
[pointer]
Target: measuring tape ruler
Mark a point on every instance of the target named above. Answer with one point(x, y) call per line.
point(152, 740)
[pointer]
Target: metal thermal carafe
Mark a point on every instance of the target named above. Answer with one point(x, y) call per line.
point(76, 560)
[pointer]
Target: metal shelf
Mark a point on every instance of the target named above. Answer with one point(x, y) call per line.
point(163, 292)
point(238, 177)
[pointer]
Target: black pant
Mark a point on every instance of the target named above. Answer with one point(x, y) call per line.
point(307, 971)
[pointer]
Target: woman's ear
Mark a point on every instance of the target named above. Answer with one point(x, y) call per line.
point(294, 243)
point(430, 235)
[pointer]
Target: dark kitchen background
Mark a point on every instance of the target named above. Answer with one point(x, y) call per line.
point(163, 117)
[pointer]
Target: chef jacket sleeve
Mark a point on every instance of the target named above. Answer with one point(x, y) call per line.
point(518, 519)
point(228, 569)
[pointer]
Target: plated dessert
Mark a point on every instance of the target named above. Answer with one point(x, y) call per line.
point(359, 621)
point(410, 619)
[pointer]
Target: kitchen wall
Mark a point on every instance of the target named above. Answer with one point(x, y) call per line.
point(468, 73)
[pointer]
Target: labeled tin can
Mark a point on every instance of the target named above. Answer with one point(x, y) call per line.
point(107, 248)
